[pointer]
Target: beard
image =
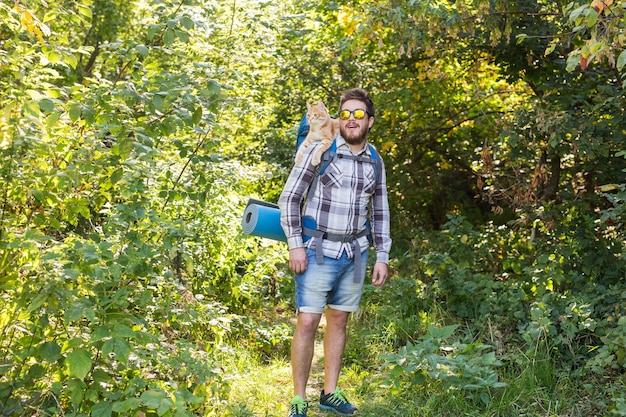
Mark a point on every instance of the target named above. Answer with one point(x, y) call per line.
point(354, 135)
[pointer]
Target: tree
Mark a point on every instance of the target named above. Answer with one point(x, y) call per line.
point(116, 208)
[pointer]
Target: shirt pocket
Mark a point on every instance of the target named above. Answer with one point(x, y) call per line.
point(369, 180)
point(332, 176)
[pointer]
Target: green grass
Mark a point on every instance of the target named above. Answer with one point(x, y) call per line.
point(536, 388)
point(537, 385)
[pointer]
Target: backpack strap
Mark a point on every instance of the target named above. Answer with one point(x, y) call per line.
point(378, 167)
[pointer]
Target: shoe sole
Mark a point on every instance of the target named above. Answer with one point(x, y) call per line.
point(329, 408)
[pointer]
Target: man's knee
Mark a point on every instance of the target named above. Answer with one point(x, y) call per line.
point(337, 318)
point(308, 322)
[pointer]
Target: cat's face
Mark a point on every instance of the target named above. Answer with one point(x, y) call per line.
point(317, 114)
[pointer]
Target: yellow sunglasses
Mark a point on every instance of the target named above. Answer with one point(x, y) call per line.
point(358, 114)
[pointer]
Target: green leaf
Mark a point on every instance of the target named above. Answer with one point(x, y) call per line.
point(100, 333)
point(490, 359)
point(75, 390)
point(52, 55)
point(574, 16)
point(102, 409)
point(121, 330)
point(84, 11)
point(31, 108)
point(53, 118)
point(79, 363)
point(441, 332)
point(186, 22)
point(71, 60)
point(117, 175)
point(142, 50)
point(158, 102)
point(119, 347)
point(75, 111)
point(156, 400)
point(183, 36)
point(50, 351)
point(126, 405)
point(169, 37)
point(153, 30)
point(197, 115)
point(572, 62)
point(592, 17)
point(46, 105)
point(621, 60)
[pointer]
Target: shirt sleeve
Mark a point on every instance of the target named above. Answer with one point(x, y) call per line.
point(292, 197)
point(380, 217)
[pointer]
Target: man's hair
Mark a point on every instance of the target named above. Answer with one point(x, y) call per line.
point(361, 95)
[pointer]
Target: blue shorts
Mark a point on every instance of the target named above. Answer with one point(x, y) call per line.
point(329, 284)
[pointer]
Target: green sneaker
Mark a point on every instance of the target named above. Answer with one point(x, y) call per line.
point(298, 407)
point(336, 402)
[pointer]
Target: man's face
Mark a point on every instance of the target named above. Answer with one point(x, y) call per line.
point(354, 130)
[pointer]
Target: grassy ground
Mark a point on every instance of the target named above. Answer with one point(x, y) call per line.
point(264, 389)
point(537, 386)
point(535, 389)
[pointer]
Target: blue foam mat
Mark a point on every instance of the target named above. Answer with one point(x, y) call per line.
point(262, 219)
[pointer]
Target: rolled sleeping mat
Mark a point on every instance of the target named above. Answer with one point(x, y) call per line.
point(262, 219)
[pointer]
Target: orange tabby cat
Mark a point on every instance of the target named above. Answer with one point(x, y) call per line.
point(322, 128)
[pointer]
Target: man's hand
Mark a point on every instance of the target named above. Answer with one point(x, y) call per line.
point(298, 260)
point(379, 276)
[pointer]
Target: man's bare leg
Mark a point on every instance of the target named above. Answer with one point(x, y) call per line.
point(334, 345)
point(302, 348)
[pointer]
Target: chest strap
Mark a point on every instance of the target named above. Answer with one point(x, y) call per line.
point(319, 250)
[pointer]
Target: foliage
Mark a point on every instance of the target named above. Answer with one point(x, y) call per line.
point(470, 367)
point(597, 34)
point(558, 288)
point(131, 134)
point(118, 214)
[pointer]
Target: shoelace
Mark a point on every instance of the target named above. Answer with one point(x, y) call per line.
point(298, 406)
point(337, 397)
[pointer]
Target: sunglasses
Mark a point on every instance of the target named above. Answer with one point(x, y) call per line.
point(358, 114)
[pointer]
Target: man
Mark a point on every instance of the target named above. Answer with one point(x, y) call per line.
point(331, 278)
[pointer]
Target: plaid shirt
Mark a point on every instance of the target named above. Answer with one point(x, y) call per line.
point(340, 203)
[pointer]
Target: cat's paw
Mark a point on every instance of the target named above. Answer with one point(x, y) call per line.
point(317, 158)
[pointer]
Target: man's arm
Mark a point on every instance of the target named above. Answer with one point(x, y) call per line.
point(380, 218)
point(290, 203)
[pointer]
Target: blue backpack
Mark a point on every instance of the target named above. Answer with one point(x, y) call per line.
point(331, 153)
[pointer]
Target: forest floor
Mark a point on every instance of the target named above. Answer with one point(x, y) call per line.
point(265, 390)
point(261, 386)
point(269, 389)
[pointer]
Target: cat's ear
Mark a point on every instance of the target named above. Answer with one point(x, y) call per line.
point(308, 105)
point(321, 105)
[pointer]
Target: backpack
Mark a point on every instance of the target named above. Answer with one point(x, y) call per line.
point(331, 153)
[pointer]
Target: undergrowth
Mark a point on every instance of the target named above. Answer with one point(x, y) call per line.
point(478, 323)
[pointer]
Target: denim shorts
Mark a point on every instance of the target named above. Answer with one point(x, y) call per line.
point(329, 284)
